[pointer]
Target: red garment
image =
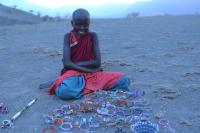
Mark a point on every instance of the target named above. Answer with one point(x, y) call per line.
point(81, 47)
point(94, 81)
point(81, 50)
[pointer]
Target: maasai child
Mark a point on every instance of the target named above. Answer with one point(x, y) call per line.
point(82, 73)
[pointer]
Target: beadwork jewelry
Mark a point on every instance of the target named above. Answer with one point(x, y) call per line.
point(144, 127)
point(66, 126)
point(164, 123)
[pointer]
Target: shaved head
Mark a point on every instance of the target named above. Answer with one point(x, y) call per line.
point(80, 14)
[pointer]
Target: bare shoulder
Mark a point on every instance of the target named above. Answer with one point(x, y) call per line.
point(94, 37)
point(94, 34)
point(66, 35)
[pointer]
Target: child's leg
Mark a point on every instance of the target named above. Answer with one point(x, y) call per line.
point(46, 84)
point(122, 84)
point(71, 88)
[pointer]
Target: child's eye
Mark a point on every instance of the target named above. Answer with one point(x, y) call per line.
point(81, 25)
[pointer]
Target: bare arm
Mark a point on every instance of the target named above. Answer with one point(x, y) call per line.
point(96, 62)
point(68, 64)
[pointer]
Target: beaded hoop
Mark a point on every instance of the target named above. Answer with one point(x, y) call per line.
point(144, 127)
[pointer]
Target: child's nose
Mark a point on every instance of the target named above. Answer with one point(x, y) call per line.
point(82, 27)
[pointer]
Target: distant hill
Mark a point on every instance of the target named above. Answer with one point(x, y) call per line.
point(172, 7)
point(11, 16)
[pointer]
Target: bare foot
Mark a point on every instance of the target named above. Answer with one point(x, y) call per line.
point(46, 85)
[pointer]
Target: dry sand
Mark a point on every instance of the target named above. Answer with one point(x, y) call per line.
point(159, 54)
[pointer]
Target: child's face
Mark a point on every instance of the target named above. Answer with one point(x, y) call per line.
point(81, 25)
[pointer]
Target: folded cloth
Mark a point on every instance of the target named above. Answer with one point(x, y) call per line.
point(71, 88)
point(93, 81)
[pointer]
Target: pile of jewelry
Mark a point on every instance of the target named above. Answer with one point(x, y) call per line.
point(102, 110)
point(3, 108)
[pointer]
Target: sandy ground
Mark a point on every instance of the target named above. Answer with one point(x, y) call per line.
point(159, 54)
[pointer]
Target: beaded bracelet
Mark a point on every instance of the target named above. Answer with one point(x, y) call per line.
point(66, 126)
point(144, 127)
point(3, 109)
point(7, 123)
point(164, 123)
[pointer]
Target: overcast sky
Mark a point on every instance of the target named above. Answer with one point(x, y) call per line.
point(108, 8)
point(53, 4)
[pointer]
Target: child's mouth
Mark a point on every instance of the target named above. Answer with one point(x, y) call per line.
point(81, 32)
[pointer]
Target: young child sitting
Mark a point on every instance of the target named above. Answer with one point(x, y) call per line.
point(82, 73)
